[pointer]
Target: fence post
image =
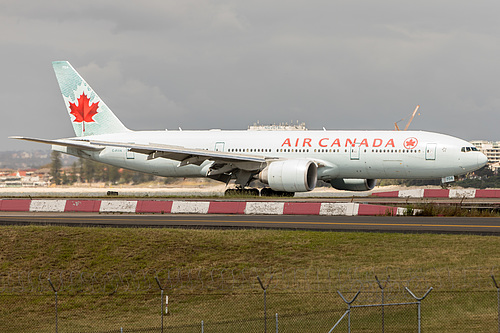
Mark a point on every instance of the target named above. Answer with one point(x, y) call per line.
point(161, 297)
point(276, 322)
point(419, 301)
point(55, 292)
point(498, 300)
point(382, 288)
point(348, 312)
point(265, 302)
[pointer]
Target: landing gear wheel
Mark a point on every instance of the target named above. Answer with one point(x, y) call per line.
point(267, 192)
point(242, 192)
point(251, 192)
point(231, 191)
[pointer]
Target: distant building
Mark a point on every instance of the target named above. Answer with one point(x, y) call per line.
point(278, 127)
point(24, 178)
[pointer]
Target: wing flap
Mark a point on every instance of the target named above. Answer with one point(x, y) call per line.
point(154, 150)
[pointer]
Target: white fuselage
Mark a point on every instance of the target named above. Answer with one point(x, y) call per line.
point(339, 154)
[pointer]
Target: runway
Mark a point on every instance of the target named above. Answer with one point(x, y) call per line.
point(403, 224)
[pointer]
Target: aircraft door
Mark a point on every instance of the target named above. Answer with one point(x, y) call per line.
point(219, 146)
point(355, 153)
point(430, 151)
point(130, 155)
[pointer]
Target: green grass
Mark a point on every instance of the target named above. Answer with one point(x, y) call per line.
point(430, 209)
point(452, 264)
point(118, 249)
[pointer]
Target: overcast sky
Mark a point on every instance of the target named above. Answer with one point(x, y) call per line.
point(227, 64)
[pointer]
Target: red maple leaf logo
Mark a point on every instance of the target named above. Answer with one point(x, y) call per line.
point(410, 143)
point(84, 111)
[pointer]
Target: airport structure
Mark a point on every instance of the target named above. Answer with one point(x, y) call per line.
point(24, 178)
point(278, 127)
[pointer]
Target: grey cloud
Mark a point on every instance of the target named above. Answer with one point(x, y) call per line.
point(226, 64)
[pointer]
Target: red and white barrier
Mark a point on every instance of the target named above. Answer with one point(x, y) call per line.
point(439, 193)
point(190, 207)
point(198, 207)
point(117, 206)
point(47, 205)
point(264, 208)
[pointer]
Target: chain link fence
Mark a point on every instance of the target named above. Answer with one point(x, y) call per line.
point(285, 300)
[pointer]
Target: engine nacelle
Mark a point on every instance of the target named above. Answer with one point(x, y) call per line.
point(290, 175)
point(353, 184)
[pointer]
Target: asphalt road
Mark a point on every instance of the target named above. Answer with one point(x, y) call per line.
point(485, 226)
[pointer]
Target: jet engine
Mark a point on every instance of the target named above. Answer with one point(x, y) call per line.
point(290, 175)
point(348, 184)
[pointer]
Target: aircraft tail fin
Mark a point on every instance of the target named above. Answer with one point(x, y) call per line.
point(88, 113)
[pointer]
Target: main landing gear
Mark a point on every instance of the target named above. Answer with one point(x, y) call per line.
point(242, 192)
point(265, 192)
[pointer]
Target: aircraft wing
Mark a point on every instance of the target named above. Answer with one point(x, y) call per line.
point(78, 144)
point(188, 156)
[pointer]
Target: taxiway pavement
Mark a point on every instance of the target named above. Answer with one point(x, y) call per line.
point(404, 224)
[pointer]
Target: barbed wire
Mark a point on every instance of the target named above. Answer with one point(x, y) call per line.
point(245, 280)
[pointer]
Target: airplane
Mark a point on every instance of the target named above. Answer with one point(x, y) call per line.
point(286, 161)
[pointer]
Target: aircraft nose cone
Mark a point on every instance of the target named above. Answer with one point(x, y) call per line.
point(482, 160)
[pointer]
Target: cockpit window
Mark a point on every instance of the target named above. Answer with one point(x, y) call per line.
point(466, 149)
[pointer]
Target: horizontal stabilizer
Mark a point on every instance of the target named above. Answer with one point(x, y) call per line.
point(63, 142)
